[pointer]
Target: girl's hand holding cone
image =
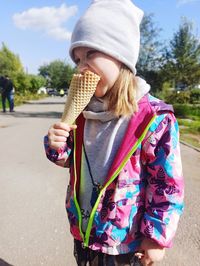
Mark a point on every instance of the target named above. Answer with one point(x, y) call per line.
point(58, 134)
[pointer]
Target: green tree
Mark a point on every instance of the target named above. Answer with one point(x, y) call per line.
point(27, 83)
point(56, 69)
point(21, 82)
point(182, 65)
point(9, 62)
point(57, 73)
point(36, 82)
point(67, 75)
point(150, 56)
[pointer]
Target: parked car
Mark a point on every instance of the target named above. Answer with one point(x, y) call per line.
point(52, 92)
point(66, 91)
point(181, 87)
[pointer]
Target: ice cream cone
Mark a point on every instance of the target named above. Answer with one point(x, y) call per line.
point(81, 90)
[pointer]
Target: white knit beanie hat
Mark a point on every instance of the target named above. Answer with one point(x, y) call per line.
point(112, 27)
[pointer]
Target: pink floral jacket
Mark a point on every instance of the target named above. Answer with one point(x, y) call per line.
point(143, 193)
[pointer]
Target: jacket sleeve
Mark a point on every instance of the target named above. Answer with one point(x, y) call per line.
point(61, 157)
point(164, 181)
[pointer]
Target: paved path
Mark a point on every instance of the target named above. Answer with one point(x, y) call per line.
point(33, 225)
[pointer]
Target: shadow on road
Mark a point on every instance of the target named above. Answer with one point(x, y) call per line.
point(37, 114)
point(4, 263)
point(45, 103)
point(35, 110)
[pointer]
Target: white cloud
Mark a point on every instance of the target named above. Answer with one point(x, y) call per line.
point(49, 20)
point(184, 2)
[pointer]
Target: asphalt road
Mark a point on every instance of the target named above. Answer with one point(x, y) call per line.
point(34, 228)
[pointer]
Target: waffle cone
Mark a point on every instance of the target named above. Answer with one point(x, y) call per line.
point(81, 90)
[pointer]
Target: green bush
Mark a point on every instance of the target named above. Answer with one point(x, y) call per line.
point(182, 97)
point(178, 97)
point(195, 96)
point(186, 110)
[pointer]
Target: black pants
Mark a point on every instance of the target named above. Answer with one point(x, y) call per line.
point(88, 257)
point(10, 97)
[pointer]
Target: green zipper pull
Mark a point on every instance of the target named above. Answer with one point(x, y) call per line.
point(83, 244)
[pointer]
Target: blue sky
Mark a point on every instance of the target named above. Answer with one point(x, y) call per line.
point(39, 30)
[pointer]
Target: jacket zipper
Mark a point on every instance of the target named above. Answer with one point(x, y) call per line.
point(75, 198)
point(91, 219)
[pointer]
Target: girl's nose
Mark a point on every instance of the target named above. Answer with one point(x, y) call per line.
point(82, 66)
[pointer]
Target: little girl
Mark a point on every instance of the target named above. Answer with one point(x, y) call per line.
point(125, 193)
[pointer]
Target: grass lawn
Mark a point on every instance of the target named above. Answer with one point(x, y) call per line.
point(190, 130)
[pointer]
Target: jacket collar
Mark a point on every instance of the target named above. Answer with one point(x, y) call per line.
point(136, 127)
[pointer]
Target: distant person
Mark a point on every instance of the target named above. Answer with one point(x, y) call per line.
point(7, 92)
point(125, 193)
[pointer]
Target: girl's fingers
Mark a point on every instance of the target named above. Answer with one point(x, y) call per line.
point(57, 142)
point(57, 132)
point(64, 126)
point(73, 127)
point(60, 132)
point(62, 139)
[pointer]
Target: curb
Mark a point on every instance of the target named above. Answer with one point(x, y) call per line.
point(190, 146)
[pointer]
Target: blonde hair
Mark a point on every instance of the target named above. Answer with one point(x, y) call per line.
point(121, 98)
